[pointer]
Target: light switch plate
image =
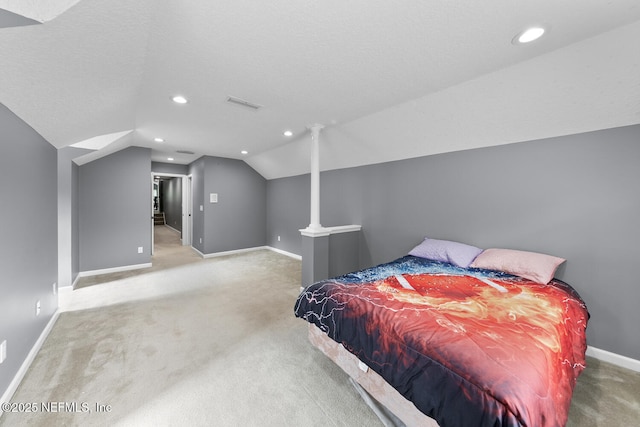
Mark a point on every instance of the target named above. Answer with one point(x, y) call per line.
point(213, 198)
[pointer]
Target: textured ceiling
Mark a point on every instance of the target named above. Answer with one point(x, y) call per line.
point(390, 80)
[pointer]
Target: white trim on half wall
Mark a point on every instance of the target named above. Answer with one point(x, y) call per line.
point(289, 254)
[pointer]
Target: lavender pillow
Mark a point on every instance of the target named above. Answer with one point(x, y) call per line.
point(455, 253)
point(534, 266)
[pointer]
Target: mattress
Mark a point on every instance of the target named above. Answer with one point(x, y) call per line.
point(370, 381)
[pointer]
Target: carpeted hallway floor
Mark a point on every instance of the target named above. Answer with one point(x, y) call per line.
point(168, 253)
point(214, 343)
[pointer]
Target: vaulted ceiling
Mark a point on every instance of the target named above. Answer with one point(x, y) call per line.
point(389, 80)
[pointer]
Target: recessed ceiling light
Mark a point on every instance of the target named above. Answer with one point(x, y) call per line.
point(244, 152)
point(528, 35)
point(179, 99)
point(287, 133)
point(170, 159)
point(158, 139)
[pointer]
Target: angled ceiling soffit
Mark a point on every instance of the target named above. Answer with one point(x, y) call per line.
point(9, 19)
point(103, 145)
point(27, 12)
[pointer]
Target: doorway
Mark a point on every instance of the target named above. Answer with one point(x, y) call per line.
point(171, 206)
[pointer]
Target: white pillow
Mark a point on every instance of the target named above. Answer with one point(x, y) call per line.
point(456, 253)
point(534, 266)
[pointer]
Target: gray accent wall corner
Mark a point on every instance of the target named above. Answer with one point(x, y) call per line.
point(288, 211)
point(68, 252)
point(237, 219)
point(172, 202)
point(169, 168)
point(29, 246)
point(115, 210)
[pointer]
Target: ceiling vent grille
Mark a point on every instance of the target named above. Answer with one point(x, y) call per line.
point(185, 152)
point(242, 103)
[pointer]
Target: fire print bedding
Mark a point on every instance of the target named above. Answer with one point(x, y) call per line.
point(468, 346)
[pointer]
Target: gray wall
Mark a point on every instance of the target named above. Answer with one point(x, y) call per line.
point(237, 221)
point(114, 195)
point(574, 196)
point(29, 244)
point(170, 168)
point(288, 210)
point(68, 254)
point(172, 202)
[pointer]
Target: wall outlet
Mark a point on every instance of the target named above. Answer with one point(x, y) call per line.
point(55, 288)
point(38, 308)
point(278, 238)
point(140, 249)
point(3, 351)
point(201, 240)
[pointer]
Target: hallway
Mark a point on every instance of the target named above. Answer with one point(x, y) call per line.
point(168, 253)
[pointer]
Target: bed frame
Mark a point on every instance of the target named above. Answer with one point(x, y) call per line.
point(370, 381)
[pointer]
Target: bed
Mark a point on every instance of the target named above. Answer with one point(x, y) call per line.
point(455, 344)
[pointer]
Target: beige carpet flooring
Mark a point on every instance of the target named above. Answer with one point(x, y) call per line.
point(214, 343)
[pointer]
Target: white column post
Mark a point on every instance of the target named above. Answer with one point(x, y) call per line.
point(315, 177)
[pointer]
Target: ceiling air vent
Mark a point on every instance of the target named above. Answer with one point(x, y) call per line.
point(185, 152)
point(242, 103)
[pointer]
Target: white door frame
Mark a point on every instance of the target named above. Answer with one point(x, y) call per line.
point(187, 207)
point(152, 213)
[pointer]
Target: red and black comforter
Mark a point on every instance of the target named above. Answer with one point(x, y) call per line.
point(469, 347)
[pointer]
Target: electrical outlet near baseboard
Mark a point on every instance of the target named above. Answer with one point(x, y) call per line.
point(3, 351)
point(55, 288)
point(38, 308)
point(140, 249)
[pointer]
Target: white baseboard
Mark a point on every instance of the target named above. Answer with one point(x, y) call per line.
point(240, 251)
point(173, 229)
point(17, 379)
point(197, 251)
point(613, 358)
point(234, 252)
point(75, 282)
point(289, 254)
point(114, 269)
